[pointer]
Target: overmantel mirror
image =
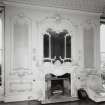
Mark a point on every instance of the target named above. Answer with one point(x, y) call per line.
point(57, 46)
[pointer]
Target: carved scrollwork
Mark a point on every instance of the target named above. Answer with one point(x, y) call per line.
point(21, 74)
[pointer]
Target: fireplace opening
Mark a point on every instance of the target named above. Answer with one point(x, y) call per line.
point(58, 86)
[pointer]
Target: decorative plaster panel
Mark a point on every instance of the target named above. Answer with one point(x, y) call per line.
point(88, 51)
point(21, 39)
point(20, 87)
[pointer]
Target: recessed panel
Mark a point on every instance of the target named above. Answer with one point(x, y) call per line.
point(88, 47)
point(21, 45)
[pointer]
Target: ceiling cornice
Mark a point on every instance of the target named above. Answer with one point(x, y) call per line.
point(41, 4)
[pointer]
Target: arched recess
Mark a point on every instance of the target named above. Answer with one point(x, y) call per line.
point(57, 25)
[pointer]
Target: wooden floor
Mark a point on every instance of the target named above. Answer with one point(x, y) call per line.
point(79, 102)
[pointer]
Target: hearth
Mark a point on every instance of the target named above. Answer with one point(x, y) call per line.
point(58, 86)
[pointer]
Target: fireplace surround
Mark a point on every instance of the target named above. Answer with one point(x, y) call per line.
point(58, 82)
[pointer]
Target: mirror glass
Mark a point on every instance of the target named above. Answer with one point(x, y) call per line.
point(46, 46)
point(57, 44)
point(68, 47)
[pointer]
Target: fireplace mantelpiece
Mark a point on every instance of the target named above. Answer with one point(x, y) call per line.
point(58, 70)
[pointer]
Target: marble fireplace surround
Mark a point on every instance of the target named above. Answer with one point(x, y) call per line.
point(59, 69)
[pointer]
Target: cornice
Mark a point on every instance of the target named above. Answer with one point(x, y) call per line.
point(38, 7)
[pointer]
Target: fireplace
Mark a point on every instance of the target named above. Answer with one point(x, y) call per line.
point(58, 87)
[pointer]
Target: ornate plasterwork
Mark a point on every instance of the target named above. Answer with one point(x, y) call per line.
point(58, 23)
point(90, 22)
point(21, 74)
point(58, 70)
point(57, 18)
point(20, 20)
point(20, 77)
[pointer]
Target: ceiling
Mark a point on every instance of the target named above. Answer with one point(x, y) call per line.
point(83, 5)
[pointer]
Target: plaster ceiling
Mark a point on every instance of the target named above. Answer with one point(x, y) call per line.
point(83, 5)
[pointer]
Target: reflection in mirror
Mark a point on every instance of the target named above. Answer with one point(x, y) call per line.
point(46, 46)
point(68, 46)
point(57, 45)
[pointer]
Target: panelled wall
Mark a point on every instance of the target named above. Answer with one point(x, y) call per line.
point(24, 29)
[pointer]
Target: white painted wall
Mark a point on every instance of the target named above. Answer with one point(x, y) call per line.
point(26, 83)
